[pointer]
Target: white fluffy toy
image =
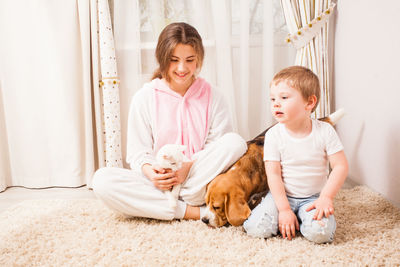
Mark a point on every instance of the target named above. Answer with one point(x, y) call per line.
point(171, 156)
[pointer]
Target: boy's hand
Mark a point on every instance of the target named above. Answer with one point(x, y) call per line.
point(323, 207)
point(288, 224)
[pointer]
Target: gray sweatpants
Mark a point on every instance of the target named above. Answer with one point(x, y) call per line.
point(131, 193)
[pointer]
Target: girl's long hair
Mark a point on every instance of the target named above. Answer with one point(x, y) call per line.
point(170, 37)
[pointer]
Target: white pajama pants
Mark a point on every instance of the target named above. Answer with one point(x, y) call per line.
point(131, 193)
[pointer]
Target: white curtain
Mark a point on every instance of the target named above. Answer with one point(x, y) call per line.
point(244, 43)
point(110, 119)
point(308, 24)
point(59, 101)
point(45, 95)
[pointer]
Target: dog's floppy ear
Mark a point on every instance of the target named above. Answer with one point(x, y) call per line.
point(207, 197)
point(209, 187)
point(236, 208)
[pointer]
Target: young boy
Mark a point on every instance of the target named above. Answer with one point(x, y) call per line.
point(297, 151)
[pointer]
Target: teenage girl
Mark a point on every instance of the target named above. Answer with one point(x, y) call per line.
point(176, 107)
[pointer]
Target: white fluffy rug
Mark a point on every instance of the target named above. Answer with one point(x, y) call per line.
point(85, 233)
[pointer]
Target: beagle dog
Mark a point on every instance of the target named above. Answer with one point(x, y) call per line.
point(231, 195)
point(228, 194)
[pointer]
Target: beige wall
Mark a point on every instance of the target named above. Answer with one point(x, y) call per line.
point(366, 76)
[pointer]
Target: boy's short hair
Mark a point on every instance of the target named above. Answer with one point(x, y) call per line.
point(302, 79)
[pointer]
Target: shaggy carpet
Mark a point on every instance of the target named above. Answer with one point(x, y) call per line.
point(85, 233)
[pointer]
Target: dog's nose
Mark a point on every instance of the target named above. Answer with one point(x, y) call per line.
point(205, 220)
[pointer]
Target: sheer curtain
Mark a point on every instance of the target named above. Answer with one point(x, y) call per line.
point(244, 43)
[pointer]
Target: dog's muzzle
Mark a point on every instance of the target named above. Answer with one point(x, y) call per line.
point(205, 220)
point(209, 218)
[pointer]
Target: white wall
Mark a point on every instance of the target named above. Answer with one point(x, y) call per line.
point(367, 84)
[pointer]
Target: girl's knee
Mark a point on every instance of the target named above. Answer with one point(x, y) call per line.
point(194, 198)
point(319, 231)
point(234, 141)
point(101, 180)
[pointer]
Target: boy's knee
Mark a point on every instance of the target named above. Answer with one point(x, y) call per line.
point(263, 220)
point(263, 227)
point(321, 231)
point(234, 141)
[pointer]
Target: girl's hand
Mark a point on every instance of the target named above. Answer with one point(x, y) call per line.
point(183, 172)
point(323, 207)
point(288, 224)
point(161, 178)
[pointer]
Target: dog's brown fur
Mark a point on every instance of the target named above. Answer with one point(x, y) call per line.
point(228, 195)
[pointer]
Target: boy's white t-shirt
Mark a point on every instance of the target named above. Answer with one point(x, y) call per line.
point(304, 161)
